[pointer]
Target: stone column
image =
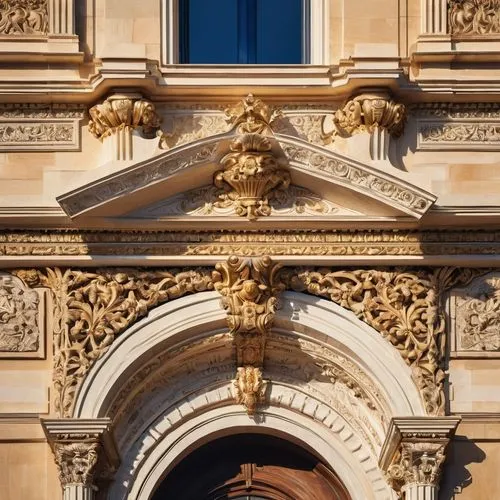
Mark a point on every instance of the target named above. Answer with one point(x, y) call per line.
point(114, 121)
point(413, 454)
point(82, 448)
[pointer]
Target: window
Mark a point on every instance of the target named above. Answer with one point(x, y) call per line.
point(243, 31)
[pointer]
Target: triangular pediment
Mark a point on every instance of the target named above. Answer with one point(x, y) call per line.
point(180, 185)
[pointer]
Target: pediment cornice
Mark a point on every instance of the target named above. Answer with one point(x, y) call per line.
point(193, 165)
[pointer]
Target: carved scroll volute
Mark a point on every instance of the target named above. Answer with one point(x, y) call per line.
point(120, 112)
point(367, 112)
point(250, 290)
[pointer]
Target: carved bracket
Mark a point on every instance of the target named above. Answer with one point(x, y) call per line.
point(250, 290)
point(119, 112)
point(369, 112)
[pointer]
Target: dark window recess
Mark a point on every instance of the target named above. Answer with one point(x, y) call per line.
point(241, 31)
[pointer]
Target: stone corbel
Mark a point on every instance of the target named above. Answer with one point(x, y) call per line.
point(84, 450)
point(413, 455)
point(117, 117)
point(250, 289)
point(376, 114)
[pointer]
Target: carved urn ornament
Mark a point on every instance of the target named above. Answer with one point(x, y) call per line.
point(251, 173)
point(368, 112)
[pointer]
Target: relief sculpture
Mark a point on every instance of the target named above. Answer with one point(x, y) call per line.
point(24, 17)
point(474, 17)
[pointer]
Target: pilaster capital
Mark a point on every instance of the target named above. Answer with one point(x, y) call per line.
point(371, 111)
point(78, 445)
point(415, 449)
point(122, 111)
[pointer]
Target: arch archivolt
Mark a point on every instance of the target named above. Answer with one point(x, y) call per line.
point(295, 353)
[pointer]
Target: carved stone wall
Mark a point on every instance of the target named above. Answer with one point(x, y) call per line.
point(93, 307)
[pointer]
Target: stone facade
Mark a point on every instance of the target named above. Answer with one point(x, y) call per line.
point(304, 251)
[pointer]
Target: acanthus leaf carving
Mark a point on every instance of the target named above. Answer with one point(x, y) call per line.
point(93, 307)
point(419, 463)
point(249, 387)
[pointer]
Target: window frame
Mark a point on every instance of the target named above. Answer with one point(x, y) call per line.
point(315, 35)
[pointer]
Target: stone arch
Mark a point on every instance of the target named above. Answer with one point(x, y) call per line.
point(354, 383)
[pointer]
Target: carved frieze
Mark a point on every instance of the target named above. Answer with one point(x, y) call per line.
point(251, 175)
point(21, 332)
point(475, 316)
point(474, 17)
point(40, 127)
point(24, 17)
point(119, 112)
point(456, 126)
point(367, 112)
point(330, 243)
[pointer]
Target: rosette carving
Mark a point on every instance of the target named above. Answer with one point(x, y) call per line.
point(367, 112)
point(250, 290)
point(122, 112)
point(250, 176)
point(93, 307)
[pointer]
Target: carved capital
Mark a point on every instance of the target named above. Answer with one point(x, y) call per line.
point(251, 115)
point(81, 447)
point(367, 112)
point(250, 175)
point(249, 387)
point(120, 112)
point(76, 461)
point(415, 449)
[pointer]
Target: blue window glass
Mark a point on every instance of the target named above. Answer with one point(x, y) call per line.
point(241, 31)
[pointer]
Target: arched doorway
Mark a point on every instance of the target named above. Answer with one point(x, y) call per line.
point(251, 467)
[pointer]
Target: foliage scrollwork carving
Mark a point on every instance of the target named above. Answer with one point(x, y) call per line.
point(404, 306)
point(93, 307)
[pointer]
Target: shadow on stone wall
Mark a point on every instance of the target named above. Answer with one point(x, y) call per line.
point(457, 477)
